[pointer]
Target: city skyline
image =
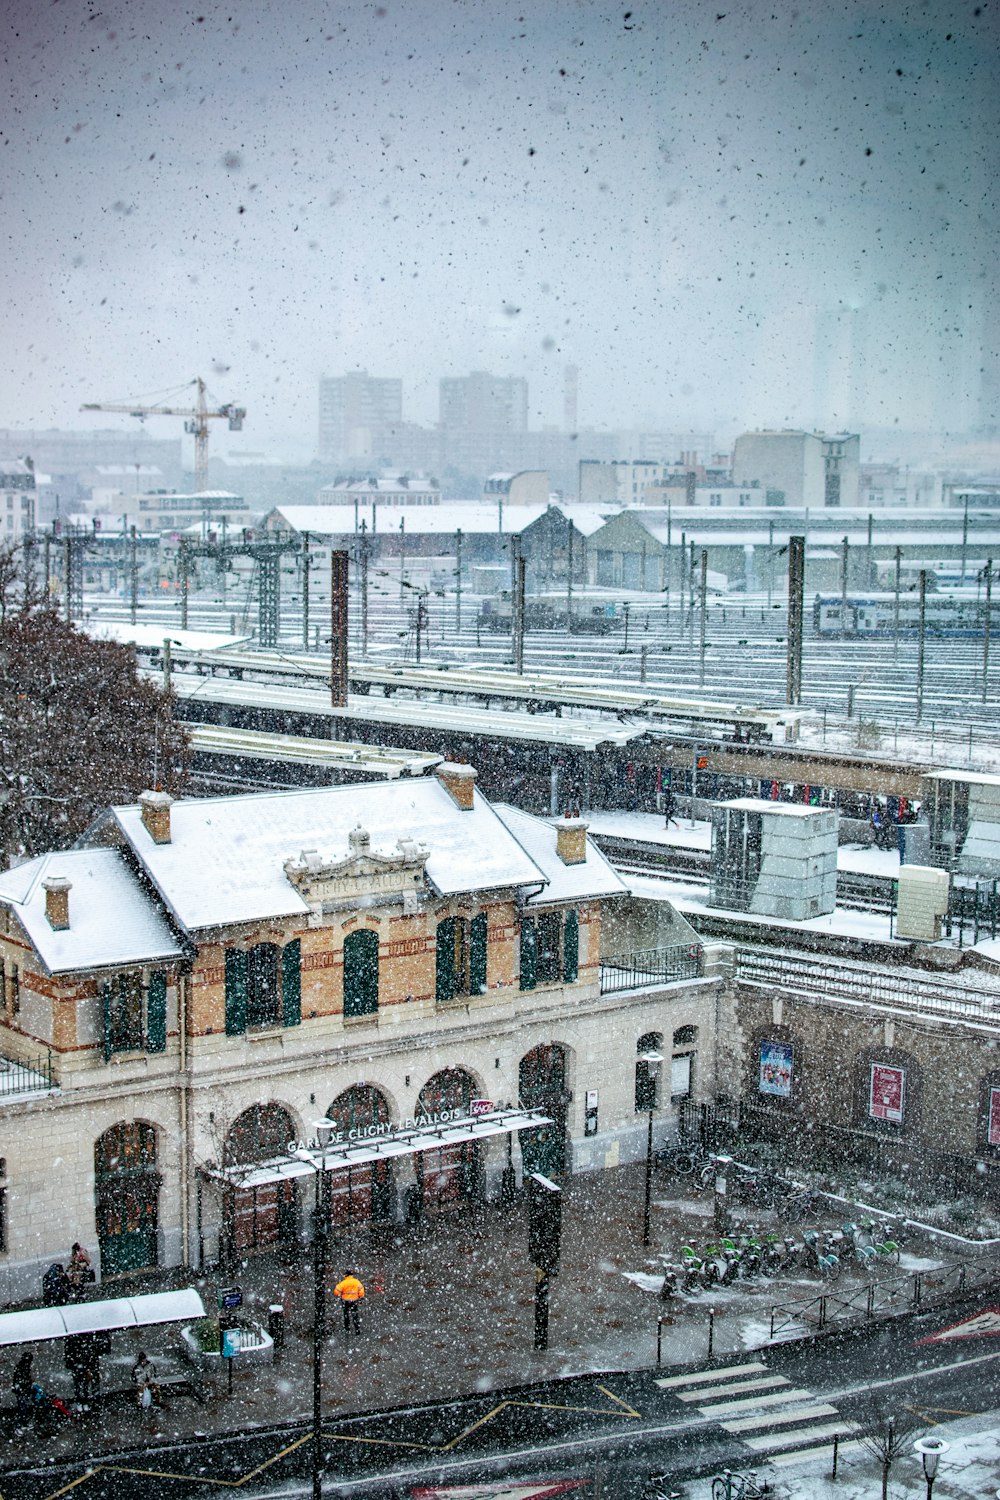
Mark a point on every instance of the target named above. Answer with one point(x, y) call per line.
point(675, 203)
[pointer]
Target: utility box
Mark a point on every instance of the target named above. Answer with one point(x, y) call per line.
point(775, 859)
point(922, 902)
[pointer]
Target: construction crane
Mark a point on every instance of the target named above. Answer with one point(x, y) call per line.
point(197, 416)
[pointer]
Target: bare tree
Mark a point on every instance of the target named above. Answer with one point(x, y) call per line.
point(887, 1437)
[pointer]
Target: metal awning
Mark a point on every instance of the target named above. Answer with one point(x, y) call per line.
point(309, 1159)
point(40, 1324)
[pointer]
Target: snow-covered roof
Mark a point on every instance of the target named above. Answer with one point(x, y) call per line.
point(112, 920)
point(765, 805)
point(225, 860)
point(471, 517)
point(592, 877)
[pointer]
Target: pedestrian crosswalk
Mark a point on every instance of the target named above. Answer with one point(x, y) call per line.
point(780, 1422)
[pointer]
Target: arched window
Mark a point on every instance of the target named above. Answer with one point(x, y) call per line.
point(541, 1080)
point(261, 1132)
point(448, 1176)
point(360, 1194)
point(263, 989)
point(128, 1193)
point(257, 1218)
point(685, 1036)
point(361, 973)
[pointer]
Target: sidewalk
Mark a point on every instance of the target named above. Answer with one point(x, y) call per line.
point(449, 1312)
point(970, 1468)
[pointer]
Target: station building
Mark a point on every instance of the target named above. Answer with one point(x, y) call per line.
point(189, 991)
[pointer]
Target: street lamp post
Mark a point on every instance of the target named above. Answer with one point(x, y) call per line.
point(320, 1226)
point(930, 1450)
point(653, 1062)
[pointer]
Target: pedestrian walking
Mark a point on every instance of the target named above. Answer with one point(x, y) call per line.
point(55, 1286)
point(144, 1379)
point(351, 1294)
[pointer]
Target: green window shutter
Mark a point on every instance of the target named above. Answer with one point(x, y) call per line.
point(571, 947)
point(291, 983)
point(156, 1012)
point(106, 1018)
point(445, 975)
point(478, 933)
point(236, 992)
point(361, 973)
point(529, 954)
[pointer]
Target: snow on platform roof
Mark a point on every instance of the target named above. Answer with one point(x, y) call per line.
point(111, 919)
point(225, 860)
point(764, 805)
point(592, 877)
point(470, 517)
point(972, 778)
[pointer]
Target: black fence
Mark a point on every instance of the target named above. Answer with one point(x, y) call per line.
point(647, 966)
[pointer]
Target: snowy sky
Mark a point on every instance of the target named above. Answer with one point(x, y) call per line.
point(673, 197)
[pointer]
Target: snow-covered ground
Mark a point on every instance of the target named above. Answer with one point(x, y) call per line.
point(971, 1467)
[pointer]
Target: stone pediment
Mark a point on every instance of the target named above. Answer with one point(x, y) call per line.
point(362, 872)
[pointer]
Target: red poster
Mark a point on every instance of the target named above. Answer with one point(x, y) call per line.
point(885, 1099)
point(993, 1135)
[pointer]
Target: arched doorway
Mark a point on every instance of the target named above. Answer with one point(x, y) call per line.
point(128, 1194)
point(449, 1176)
point(541, 1081)
point(362, 1193)
point(258, 1218)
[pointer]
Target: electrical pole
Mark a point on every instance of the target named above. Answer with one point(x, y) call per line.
point(965, 537)
point(183, 572)
point(68, 576)
point(458, 580)
point(796, 589)
point(338, 629)
point(703, 591)
point(920, 643)
point(133, 576)
point(569, 576)
point(517, 611)
point(895, 604)
point(844, 558)
point(364, 589)
point(305, 591)
point(988, 579)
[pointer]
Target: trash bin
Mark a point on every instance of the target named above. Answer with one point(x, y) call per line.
point(276, 1325)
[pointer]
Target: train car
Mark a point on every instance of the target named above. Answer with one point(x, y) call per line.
point(874, 615)
point(589, 616)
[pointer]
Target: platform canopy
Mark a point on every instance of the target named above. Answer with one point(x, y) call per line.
point(40, 1324)
point(305, 1159)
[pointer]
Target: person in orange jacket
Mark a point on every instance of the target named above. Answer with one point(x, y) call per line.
point(351, 1294)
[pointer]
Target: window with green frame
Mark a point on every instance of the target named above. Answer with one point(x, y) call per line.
point(360, 973)
point(134, 1012)
point(263, 987)
point(461, 956)
point(550, 948)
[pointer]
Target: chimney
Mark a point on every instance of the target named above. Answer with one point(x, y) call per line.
point(155, 808)
point(571, 840)
point(57, 889)
point(459, 782)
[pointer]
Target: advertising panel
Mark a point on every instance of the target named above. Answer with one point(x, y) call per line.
point(885, 1095)
point(993, 1129)
point(775, 1069)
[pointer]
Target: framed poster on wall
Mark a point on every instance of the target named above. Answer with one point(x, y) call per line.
point(885, 1093)
point(993, 1126)
point(775, 1069)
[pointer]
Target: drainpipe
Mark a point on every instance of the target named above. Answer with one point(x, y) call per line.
point(182, 1007)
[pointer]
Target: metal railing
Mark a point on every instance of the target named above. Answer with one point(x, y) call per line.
point(33, 1076)
point(646, 966)
point(879, 1298)
point(966, 997)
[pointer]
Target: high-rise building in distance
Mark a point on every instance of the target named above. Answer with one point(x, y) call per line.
point(355, 412)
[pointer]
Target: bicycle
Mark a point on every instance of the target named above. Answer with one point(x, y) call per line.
point(731, 1486)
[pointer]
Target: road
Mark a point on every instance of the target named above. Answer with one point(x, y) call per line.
point(689, 1421)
